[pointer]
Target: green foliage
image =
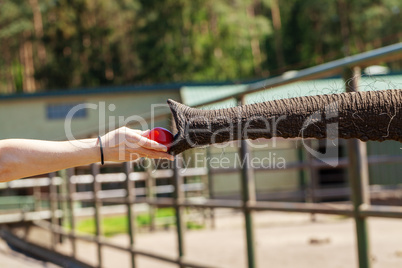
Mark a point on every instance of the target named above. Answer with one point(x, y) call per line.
point(118, 224)
point(92, 43)
point(14, 19)
point(204, 40)
point(17, 72)
point(111, 225)
point(144, 219)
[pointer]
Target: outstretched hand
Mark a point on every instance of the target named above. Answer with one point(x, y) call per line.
point(125, 144)
point(22, 158)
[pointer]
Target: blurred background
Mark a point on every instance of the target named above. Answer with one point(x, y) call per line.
point(291, 211)
point(64, 44)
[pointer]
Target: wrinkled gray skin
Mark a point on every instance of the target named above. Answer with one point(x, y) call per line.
point(373, 115)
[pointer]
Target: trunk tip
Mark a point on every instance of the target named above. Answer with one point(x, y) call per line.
point(171, 102)
point(177, 108)
point(180, 117)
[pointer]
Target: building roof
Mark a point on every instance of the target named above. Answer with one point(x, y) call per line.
point(196, 95)
point(111, 90)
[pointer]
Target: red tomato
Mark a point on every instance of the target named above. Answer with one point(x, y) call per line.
point(161, 135)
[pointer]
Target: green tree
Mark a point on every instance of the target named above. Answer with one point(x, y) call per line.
point(60, 44)
point(198, 40)
point(16, 47)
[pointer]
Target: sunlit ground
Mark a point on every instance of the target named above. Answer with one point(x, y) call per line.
point(282, 240)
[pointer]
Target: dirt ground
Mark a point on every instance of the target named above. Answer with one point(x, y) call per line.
point(282, 240)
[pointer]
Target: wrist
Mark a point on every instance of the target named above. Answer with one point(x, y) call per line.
point(89, 150)
point(92, 150)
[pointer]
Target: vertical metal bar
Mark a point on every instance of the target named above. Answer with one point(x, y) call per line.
point(303, 173)
point(37, 203)
point(130, 197)
point(210, 187)
point(313, 179)
point(62, 202)
point(358, 178)
point(151, 194)
point(248, 196)
point(71, 190)
point(359, 183)
point(97, 204)
point(178, 196)
point(37, 198)
point(53, 209)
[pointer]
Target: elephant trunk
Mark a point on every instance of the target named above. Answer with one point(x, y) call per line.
point(372, 115)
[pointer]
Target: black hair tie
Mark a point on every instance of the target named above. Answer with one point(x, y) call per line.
point(101, 150)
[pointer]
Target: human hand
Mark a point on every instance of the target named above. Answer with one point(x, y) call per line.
point(125, 144)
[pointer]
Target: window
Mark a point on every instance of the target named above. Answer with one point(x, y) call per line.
point(60, 110)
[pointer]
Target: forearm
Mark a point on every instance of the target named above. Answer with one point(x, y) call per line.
point(21, 158)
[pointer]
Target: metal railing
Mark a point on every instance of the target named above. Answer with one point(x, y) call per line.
point(129, 197)
point(357, 164)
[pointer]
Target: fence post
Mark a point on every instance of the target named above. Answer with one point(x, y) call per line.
point(150, 187)
point(53, 209)
point(37, 197)
point(130, 197)
point(358, 177)
point(313, 179)
point(63, 202)
point(211, 194)
point(71, 190)
point(178, 197)
point(248, 196)
point(97, 204)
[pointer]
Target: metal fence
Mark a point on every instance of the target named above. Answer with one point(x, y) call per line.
point(357, 164)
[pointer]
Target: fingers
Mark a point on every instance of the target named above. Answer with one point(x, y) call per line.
point(134, 138)
point(143, 152)
point(145, 133)
point(125, 144)
point(150, 144)
point(138, 137)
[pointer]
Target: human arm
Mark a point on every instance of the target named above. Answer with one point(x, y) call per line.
point(22, 158)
